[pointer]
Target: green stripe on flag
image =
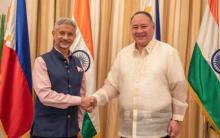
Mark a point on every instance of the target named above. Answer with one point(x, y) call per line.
point(206, 85)
point(88, 129)
point(2, 31)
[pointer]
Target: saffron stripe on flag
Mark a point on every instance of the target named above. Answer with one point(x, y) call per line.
point(214, 9)
point(84, 22)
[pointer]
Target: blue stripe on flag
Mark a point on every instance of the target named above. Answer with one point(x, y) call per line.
point(22, 40)
point(157, 21)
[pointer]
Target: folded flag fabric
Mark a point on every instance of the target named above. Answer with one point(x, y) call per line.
point(16, 104)
point(83, 49)
point(204, 70)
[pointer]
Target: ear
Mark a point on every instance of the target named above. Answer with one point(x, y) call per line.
point(153, 25)
point(53, 32)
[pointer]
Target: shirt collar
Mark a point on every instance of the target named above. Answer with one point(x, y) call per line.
point(69, 54)
point(60, 54)
point(147, 49)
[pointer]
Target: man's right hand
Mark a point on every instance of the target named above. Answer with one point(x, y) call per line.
point(88, 103)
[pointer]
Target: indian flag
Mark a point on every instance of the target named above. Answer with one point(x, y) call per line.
point(83, 49)
point(204, 70)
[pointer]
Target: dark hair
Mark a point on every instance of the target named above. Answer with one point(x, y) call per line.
point(142, 12)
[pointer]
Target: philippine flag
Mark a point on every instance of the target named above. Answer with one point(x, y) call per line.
point(16, 103)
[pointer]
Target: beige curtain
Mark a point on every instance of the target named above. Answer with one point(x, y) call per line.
point(111, 32)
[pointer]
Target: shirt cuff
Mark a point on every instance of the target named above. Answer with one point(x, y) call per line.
point(101, 97)
point(177, 117)
point(76, 100)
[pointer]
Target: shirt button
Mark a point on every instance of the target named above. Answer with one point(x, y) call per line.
point(70, 86)
point(68, 71)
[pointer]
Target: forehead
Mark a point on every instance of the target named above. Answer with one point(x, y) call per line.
point(65, 27)
point(140, 19)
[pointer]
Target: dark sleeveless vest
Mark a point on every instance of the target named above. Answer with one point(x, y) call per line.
point(64, 78)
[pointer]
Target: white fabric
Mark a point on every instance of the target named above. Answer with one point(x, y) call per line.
point(149, 85)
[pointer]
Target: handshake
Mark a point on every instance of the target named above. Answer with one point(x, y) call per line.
point(88, 103)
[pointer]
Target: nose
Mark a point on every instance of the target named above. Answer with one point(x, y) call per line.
point(139, 30)
point(65, 36)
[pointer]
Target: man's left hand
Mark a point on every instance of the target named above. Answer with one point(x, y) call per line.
point(173, 128)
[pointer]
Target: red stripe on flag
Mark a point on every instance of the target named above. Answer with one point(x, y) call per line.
point(16, 103)
point(82, 16)
point(213, 5)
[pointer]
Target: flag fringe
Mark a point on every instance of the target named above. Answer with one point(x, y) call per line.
point(198, 101)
